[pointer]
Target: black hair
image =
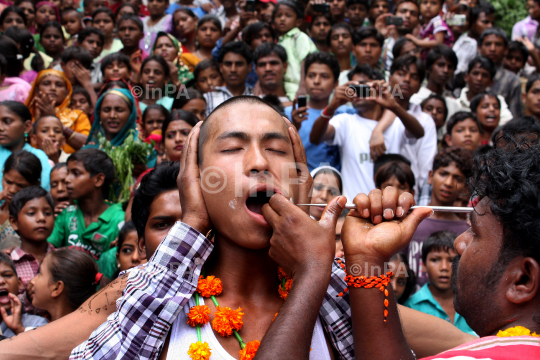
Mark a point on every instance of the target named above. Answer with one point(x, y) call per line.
point(441, 51)
point(274, 101)
point(386, 158)
point(18, 109)
point(59, 166)
point(80, 90)
point(77, 270)
point(124, 232)
point(96, 162)
point(411, 278)
point(475, 102)
point(237, 47)
point(105, 10)
point(493, 31)
point(367, 70)
point(26, 164)
point(325, 59)
point(250, 31)
point(437, 97)
point(10, 50)
point(176, 115)
point(327, 16)
point(68, 10)
point(438, 241)
point(135, 11)
point(12, 9)
point(519, 46)
point(158, 107)
point(335, 27)
point(373, 2)
point(482, 7)
point(111, 84)
point(25, 195)
point(133, 18)
point(3, 64)
point(52, 24)
point(84, 33)
point(181, 101)
point(534, 78)
point(462, 116)
point(38, 120)
point(210, 18)
point(203, 65)
point(26, 42)
point(452, 154)
point(525, 127)
point(398, 168)
point(161, 179)
point(119, 57)
point(267, 49)
point(484, 63)
point(296, 6)
point(161, 61)
point(399, 44)
point(77, 53)
point(328, 171)
point(363, 33)
point(6, 259)
point(359, 2)
point(405, 61)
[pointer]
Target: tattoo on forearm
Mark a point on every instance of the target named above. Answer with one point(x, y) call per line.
point(88, 308)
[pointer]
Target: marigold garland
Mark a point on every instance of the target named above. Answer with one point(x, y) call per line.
point(198, 315)
point(199, 351)
point(248, 353)
point(226, 320)
point(209, 286)
point(516, 331)
point(283, 293)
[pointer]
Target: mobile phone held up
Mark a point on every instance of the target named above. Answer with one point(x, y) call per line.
point(250, 5)
point(394, 20)
point(362, 90)
point(321, 8)
point(301, 102)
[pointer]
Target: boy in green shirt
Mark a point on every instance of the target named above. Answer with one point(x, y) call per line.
point(91, 224)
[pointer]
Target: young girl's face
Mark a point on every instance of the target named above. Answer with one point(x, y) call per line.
point(401, 188)
point(489, 112)
point(285, 19)
point(29, 12)
point(45, 13)
point(208, 34)
point(58, 185)
point(54, 87)
point(153, 121)
point(49, 128)
point(435, 108)
point(175, 137)
point(208, 79)
point(116, 70)
point(71, 22)
point(325, 188)
point(79, 102)
point(13, 19)
point(103, 22)
point(399, 280)
point(12, 183)
point(165, 48)
point(184, 24)
point(12, 128)
point(42, 284)
point(52, 40)
point(430, 8)
point(157, 7)
point(197, 107)
point(153, 76)
point(128, 254)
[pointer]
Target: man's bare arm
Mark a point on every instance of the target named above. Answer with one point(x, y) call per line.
point(57, 339)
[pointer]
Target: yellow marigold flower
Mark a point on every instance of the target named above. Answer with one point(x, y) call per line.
point(199, 351)
point(198, 315)
point(516, 331)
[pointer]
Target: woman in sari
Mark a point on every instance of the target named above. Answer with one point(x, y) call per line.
point(180, 62)
point(51, 95)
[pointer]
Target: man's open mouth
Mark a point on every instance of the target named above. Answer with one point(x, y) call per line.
point(256, 200)
point(4, 298)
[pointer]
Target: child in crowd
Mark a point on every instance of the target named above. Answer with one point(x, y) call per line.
point(434, 29)
point(91, 224)
point(48, 136)
point(104, 20)
point(357, 11)
point(130, 31)
point(516, 57)
point(52, 39)
point(158, 21)
point(403, 280)
point(287, 17)
point(194, 102)
point(436, 297)
point(59, 191)
point(154, 77)
point(21, 169)
point(80, 100)
point(14, 320)
point(209, 31)
point(368, 46)
point(394, 170)
point(152, 121)
point(71, 21)
point(464, 130)
point(451, 168)
point(92, 39)
point(31, 216)
point(175, 132)
point(207, 76)
point(435, 105)
point(66, 279)
point(487, 108)
point(327, 184)
point(116, 66)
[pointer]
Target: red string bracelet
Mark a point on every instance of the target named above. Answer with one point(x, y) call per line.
point(380, 283)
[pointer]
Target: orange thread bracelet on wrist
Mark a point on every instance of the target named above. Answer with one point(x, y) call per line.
point(380, 283)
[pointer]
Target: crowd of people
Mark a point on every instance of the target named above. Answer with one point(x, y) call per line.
point(381, 103)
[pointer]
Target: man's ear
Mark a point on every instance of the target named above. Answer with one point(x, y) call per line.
point(99, 179)
point(142, 249)
point(57, 288)
point(448, 139)
point(14, 223)
point(430, 177)
point(524, 278)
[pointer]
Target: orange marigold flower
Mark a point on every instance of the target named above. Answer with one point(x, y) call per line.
point(250, 350)
point(226, 320)
point(281, 274)
point(284, 293)
point(199, 351)
point(209, 286)
point(198, 315)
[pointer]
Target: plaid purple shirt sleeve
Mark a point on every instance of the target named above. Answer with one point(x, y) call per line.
point(154, 296)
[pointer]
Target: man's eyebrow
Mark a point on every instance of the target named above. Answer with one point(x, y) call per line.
point(233, 135)
point(276, 136)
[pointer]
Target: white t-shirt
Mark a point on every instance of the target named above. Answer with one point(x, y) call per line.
point(352, 134)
